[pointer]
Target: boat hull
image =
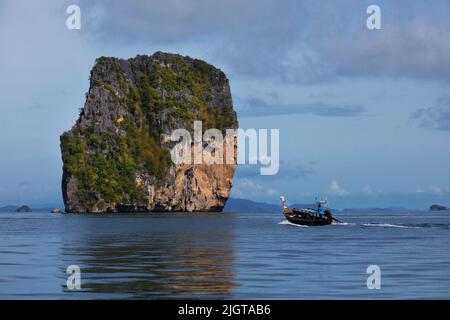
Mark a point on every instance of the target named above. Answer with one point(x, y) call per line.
point(316, 221)
point(306, 217)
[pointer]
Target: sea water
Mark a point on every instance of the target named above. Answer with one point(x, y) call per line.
point(224, 256)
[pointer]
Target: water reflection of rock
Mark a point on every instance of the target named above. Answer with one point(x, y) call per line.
point(156, 257)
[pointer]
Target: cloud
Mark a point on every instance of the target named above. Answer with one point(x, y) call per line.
point(36, 105)
point(39, 58)
point(336, 189)
point(436, 117)
point(294, 40)
point(254, 107)
point(175, 21)
point(371, 191)
point(287, 171)
point(252, 37)
point(434, 190)
point(24, 184)
point(415, 49)
point(251, 189)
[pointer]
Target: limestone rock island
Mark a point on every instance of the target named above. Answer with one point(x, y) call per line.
point(437, 207)
point(116, 158)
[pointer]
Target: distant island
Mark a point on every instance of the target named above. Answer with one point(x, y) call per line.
point(250, 206)
point(23, 209)
point(375, 209)
point(15, 208)
point(9, 208)
point(437, 207)
point(244, 205)
point(116, 157)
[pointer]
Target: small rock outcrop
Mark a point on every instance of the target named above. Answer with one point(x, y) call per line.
point(116, 157)
point(23, 209)
point(437, 207)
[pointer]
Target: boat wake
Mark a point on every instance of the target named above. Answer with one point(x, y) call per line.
point(343, 224)
point(350, 224)
point(285, 222)
point(387, 225)
point(375, 224)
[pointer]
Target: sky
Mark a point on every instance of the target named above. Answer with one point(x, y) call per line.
point(364, 115)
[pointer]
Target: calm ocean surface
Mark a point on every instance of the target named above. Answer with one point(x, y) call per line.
point(224, 256)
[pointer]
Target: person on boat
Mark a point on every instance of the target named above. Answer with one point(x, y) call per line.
point(320, 209)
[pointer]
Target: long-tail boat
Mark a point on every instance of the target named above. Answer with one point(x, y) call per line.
point(308, 217)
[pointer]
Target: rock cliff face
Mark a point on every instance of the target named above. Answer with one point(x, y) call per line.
point(116, 157)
